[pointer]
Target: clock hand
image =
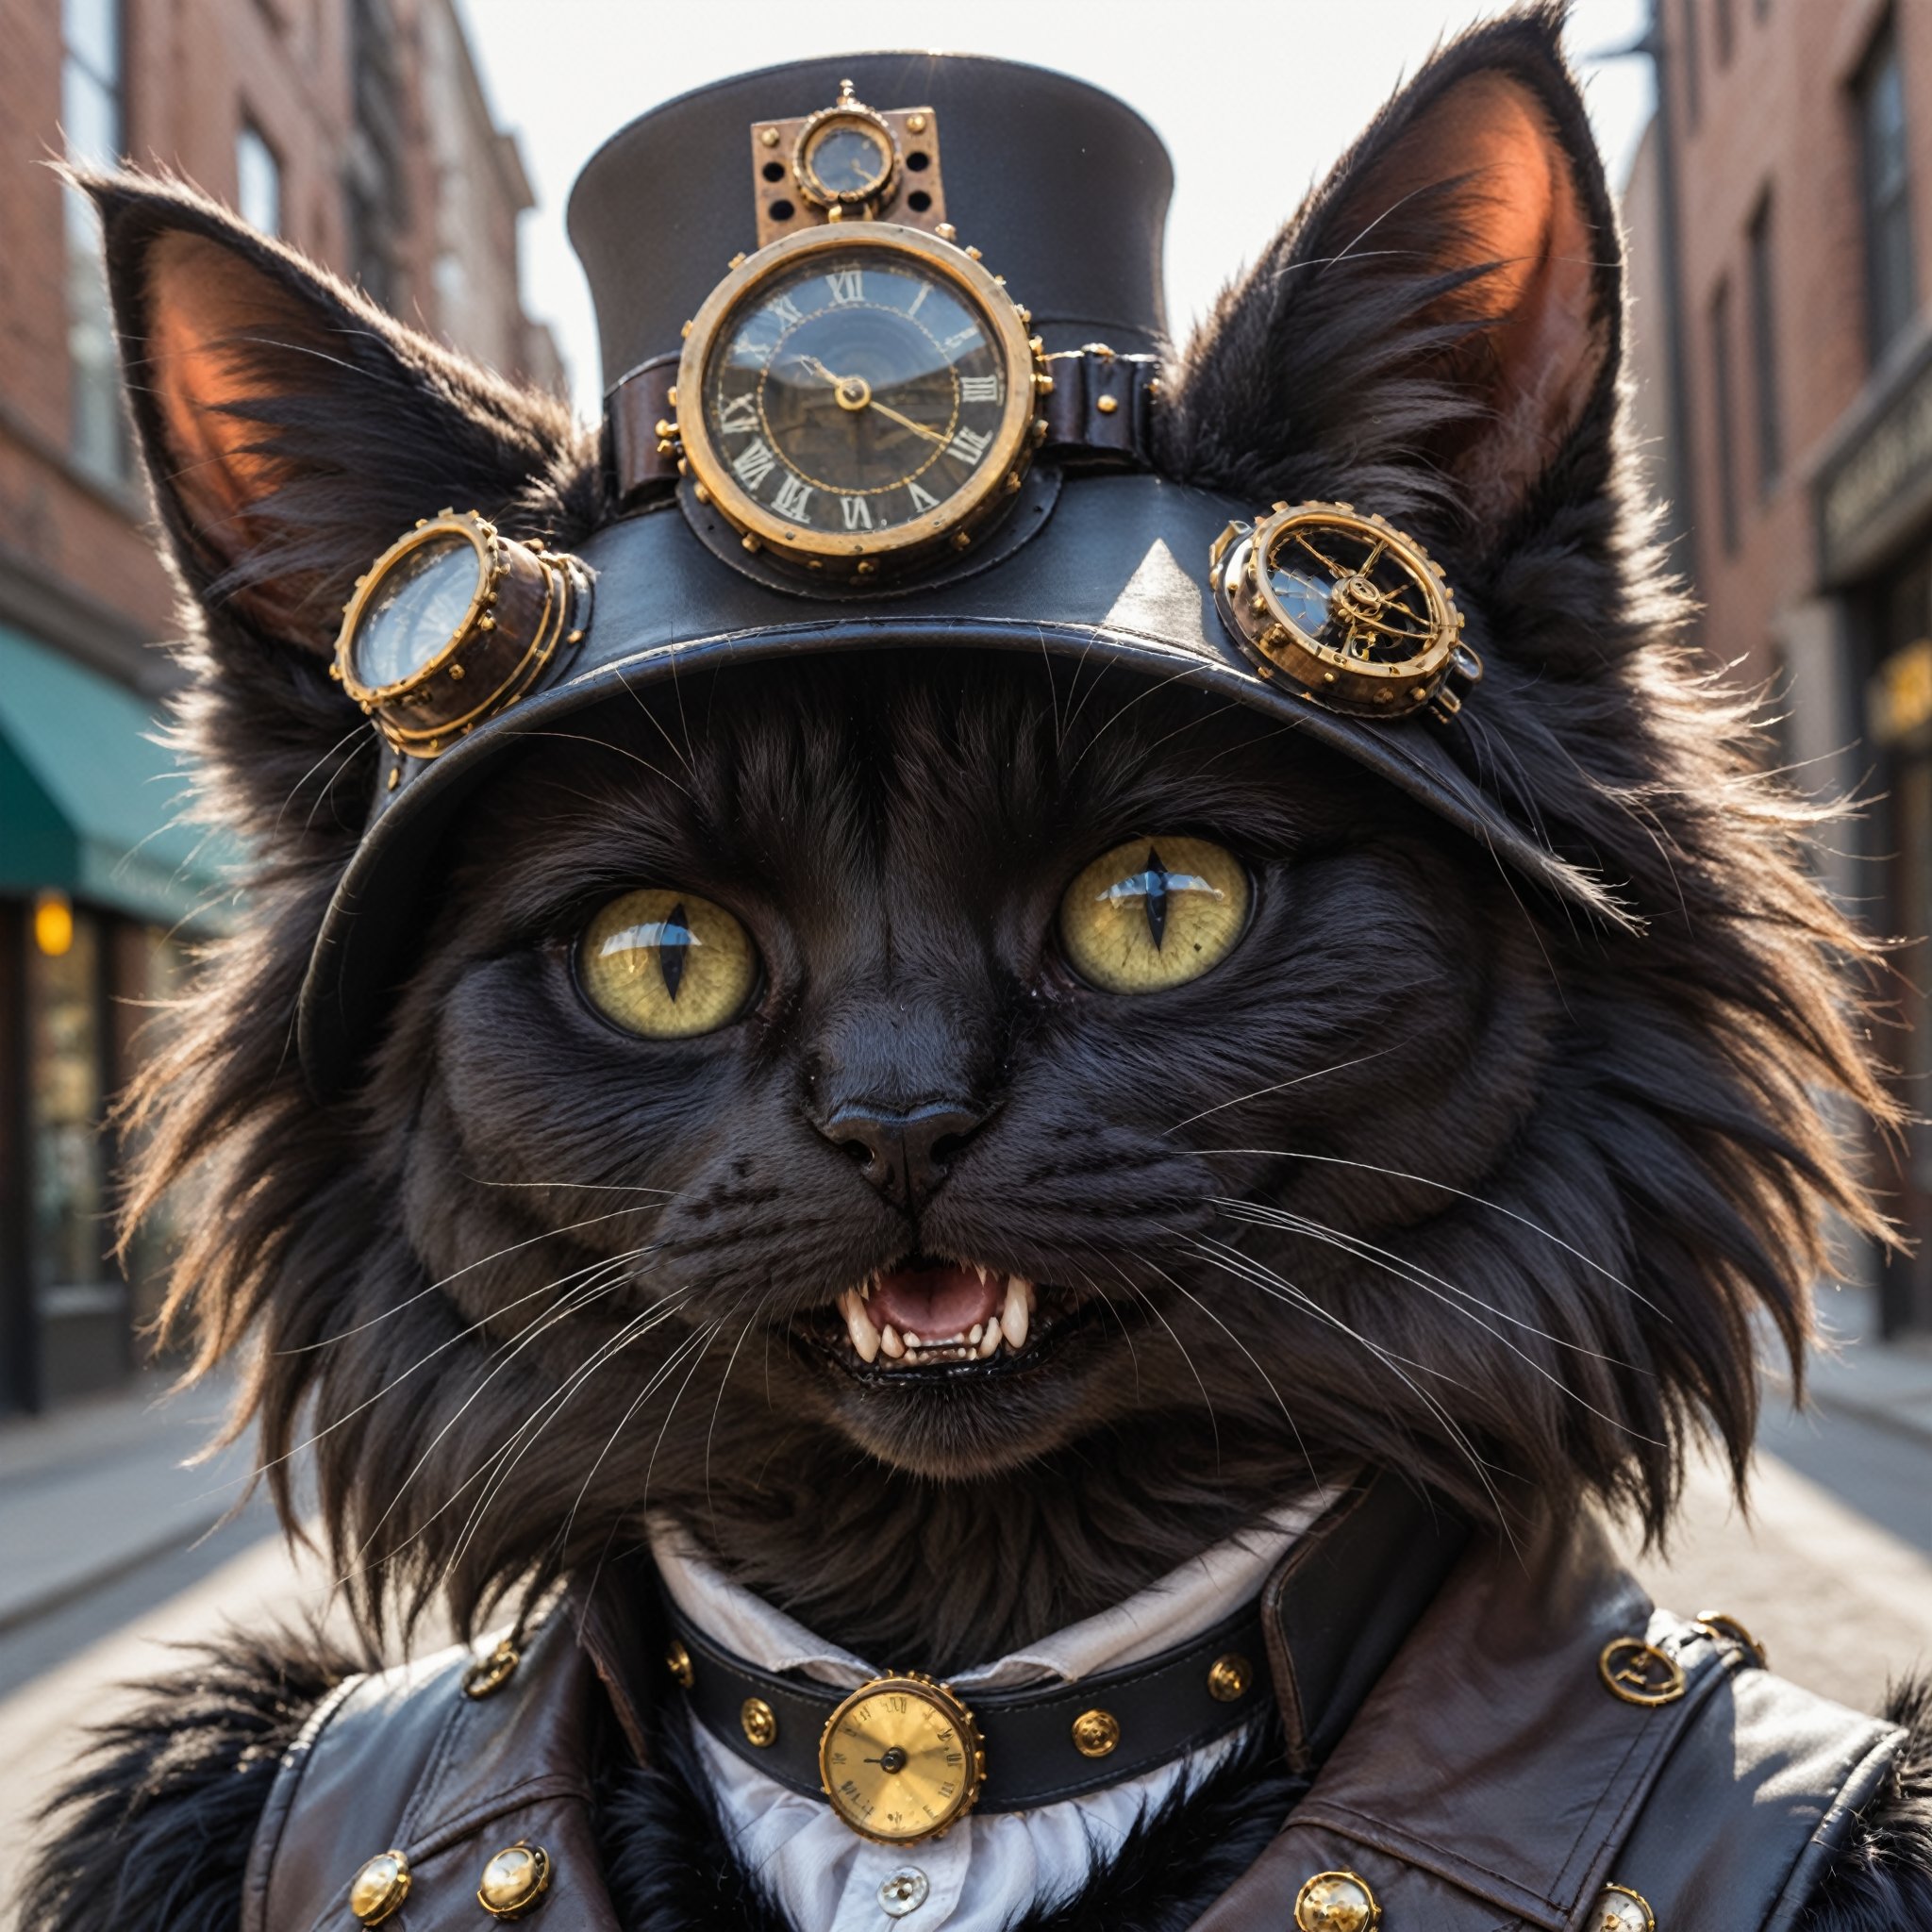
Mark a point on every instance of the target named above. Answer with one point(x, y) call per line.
point(906, 423)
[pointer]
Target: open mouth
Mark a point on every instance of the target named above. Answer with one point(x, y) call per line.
point(928, 1312)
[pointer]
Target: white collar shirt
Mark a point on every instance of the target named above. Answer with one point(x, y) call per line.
point(990, 1867)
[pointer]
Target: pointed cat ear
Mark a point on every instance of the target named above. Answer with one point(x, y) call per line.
point(290, 430)
point(1440, 324)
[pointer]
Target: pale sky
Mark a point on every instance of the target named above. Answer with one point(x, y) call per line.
point(1254, 98)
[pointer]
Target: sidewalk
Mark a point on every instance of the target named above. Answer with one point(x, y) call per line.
point(1887, 1383)
point(90, 1491)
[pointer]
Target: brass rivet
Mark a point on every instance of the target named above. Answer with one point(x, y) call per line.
point(1727, 1625)
point(335, 670)
point(864, 569)
point(1619, 1909)
point(1228, 1677)
point(1095, 1733)
point(961, 539)
point(1639, 1672)
point(1107, 404)
point(671, 397)
point(915, 124)
point(945, 231)
point(395, 773)
point(702, 494)
point(455, 671)
point(678, 1661)
point(1336, 1901)
point(769, 136)
point(378, 1890)
point(760, 1722)
point(748, 542)
point(490, 1674)
point(736, 262)
point(514, 1881)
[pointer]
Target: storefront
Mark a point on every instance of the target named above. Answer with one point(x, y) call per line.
point(1874, 513)
point(102, 893)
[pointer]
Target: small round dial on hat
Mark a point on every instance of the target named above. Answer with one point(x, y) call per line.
point(901, 1759)
point(862, 396)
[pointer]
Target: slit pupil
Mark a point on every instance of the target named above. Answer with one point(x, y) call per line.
point(674, 948)
point(1154, 896)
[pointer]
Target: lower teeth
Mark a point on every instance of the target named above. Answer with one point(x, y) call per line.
point(1010, 1328)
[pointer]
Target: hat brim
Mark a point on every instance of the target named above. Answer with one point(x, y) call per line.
point(1117, 576)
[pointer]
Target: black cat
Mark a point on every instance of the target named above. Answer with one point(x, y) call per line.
point(1422, 1175)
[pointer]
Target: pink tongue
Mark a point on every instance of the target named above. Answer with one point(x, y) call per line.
point(935, 1303)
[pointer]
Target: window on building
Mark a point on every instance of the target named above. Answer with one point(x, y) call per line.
point(373, 175)
point(257, 180)
point(1891, 273)
point(1764, 392)
point(1694, 68)
point(92, 115)
point(1725, 22)
point(1725, 410)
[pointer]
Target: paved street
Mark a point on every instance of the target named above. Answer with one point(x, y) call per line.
point(1832, 1572)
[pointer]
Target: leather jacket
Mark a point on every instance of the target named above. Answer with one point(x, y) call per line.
point(1463, 1707)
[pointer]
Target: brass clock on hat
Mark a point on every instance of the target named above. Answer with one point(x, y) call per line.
point(859, 396)
point(1355, 613)
point(901, 1759)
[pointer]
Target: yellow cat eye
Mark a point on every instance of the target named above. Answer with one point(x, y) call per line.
point(1155, 913)
point(666, 965)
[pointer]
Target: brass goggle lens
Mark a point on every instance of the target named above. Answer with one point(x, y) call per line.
point(453, 623)
point(1352, 610)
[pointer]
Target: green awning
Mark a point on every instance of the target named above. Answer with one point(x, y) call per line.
point(90, 802)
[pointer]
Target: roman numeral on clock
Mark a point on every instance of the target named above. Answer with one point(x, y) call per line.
point(969, 446)
point(979, 389)
point(857, 511)
point(967, 338)
point(785, 311)
point(755, 462)
point(847, 284)
point(739, 416)
point(791, 499)
point(922, 501)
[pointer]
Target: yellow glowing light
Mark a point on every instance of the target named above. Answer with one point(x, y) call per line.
point(53, 923)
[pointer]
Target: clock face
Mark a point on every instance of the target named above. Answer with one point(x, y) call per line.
point(900, 1760)
point(858, 400)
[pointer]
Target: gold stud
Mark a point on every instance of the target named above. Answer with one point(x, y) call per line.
point(1336, 1901)
point(455, 671)
point(1107, 404)
point(961, 539)
point(1228, 1677)
point(678, 1661)
point(396, 774)
point(760, 1722)
point(1727, 1625)
point(379, 1889)
point(768, 137)
point(515, 1880)
point(1639, 1672)
point(945, 231)
point(1095, 1733)
point(1619, 1909)
point(915, 124)
point(748, 542)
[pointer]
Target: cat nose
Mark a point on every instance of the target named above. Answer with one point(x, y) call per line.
point(905, 1156)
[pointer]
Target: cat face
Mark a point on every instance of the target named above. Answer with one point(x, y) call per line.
point(1268, 1124)
point(896, 864)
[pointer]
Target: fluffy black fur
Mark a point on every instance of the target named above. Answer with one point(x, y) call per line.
point(1542, 1183)
point(155, 1831)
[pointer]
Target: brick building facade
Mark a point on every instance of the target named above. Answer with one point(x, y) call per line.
point(358, 131)
point(1780, 209)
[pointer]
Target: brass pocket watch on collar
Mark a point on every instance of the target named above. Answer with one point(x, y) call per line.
point(859, 396)
point(1350, 610)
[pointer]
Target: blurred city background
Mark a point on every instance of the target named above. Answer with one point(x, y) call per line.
point(1774, 163)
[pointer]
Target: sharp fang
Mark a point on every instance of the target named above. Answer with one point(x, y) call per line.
point(889, 1340)
point(865, 1288)
point(912, 1340)
point(858, 1325)
point(980, 1269)
point(1016, 1315)
point(990, 1341)
point(979, 1330)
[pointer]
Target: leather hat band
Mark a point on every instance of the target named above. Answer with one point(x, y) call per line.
point(1099, 416)
point(1159, 1709)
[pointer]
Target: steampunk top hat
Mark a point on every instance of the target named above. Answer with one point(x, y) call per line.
point(886, 368)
